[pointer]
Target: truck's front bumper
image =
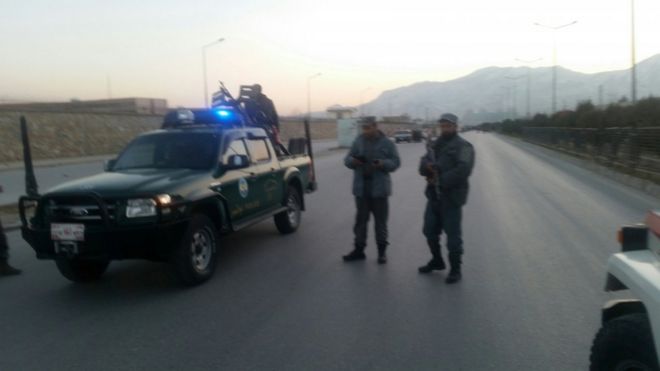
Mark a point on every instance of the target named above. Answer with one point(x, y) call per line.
point(154, 242)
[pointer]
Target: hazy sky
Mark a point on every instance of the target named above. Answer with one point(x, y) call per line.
point(57, 50)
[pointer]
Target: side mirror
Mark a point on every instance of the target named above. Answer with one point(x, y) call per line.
point(235, 162)
point(109, 164)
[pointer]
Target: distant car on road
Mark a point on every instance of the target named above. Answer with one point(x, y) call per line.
point(629, 338)
point(417, 136)
point(403, 136)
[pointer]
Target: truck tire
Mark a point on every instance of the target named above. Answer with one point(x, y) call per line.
point(194, 259)
point(624, 343)
point(80, 271)
point(289, 220)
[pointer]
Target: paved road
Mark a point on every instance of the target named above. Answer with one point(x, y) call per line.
point(52, 172)
point(538, 232)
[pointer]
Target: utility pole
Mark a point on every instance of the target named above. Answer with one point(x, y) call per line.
point(515, 94)
point(108, 87)
point(362, 101)
point(633, 70)
point(529, 83)
point(309, 94)
point(206, 89)
point(554, 59)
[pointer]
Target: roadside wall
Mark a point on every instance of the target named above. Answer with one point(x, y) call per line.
point(55, 135)
point(60, 135)
point(75, 134)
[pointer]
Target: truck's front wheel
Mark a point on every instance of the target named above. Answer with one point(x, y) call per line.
point(289, 220)
point(78, 270)
point(624, 344)
point(195, 258)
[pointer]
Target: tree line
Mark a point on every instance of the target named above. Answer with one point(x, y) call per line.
point(643, 113)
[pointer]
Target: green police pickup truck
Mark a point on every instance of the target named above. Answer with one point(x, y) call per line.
point(169, 196)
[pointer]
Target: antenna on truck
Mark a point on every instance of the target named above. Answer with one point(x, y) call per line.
point(31, 187)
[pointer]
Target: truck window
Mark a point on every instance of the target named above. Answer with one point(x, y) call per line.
point(259, 150)
point(237, 147)
point(170, 151)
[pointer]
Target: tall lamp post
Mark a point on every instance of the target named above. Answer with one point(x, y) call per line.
point(554, 59)
point(206, 89)
point(529, 83)
point(633, 70)
point(514, 97)
point(362, 100)
point(309, 94)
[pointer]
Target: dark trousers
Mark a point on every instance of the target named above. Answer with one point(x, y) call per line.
point(365, 207)
point(4, 246)
point(443, 216)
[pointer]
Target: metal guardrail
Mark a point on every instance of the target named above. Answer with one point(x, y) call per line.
point(633, 149)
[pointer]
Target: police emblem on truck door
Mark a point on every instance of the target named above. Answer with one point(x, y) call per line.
point(243, 187)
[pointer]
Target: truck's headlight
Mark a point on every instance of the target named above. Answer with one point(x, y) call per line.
point(140, 207)
point(164, 199)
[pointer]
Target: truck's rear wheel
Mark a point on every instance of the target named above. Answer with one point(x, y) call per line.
point(289, 220)
point(625, 344)
point(78, 270)
point(194, 259)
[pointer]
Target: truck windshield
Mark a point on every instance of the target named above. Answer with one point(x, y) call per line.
point(170, 151)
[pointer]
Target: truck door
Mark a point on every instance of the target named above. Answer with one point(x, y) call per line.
point(269, 185)
point(240, 187)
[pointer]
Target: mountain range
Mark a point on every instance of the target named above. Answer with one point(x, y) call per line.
point(496, 93)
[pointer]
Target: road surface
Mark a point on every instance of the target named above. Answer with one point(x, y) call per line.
point(538, 232)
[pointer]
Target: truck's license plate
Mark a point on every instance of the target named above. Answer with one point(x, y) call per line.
point(67, 232)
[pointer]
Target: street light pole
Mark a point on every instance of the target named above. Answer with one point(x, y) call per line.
point(309, 95)
point(362, 101)
point(529, 83)
point(554, 59)
point(633, 53)
point(514, 94)
point(206, 89)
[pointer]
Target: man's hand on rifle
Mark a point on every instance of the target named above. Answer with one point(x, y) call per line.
point(357, 162)
point(433, 174)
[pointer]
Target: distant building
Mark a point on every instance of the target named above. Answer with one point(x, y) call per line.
point(340, 112)
point(140, 106)
point(401, 119)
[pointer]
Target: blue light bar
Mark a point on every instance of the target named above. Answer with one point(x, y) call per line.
point(224, 113)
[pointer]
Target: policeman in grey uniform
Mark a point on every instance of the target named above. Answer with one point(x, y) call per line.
point(372, 158)
point(447, 167)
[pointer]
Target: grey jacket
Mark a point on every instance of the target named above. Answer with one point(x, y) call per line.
point(380, 148)
point(454, 160)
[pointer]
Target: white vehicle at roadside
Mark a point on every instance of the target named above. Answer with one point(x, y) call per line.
point(629, 338)
point(403, 136)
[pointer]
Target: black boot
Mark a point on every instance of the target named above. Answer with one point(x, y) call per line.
point(8, 270)
point(436, 263)
point(455, 269)
point(382, 255)
point(355, 255)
